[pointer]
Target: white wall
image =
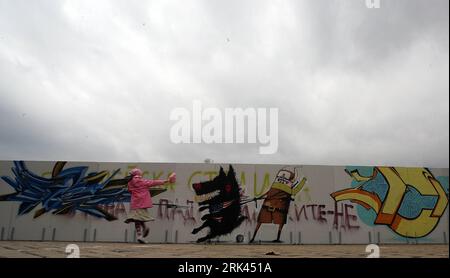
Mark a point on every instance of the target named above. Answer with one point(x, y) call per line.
point(305, 224)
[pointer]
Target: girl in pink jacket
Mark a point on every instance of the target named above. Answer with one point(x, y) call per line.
point(141, 200)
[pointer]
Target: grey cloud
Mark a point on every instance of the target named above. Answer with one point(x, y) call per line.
point(97, 80)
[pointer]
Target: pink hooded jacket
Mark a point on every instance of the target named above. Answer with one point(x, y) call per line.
point(140, 195)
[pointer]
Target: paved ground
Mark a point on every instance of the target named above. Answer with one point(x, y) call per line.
point(34, 249)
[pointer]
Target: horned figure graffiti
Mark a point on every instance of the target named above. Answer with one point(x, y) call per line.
point(222, 197)
point(68, 190)
point(277, 200)
point(410, 201)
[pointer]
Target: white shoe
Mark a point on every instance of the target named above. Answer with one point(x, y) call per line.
point(141, 240)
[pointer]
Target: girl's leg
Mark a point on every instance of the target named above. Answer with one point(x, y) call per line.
point(145, 229)
point(139, 229)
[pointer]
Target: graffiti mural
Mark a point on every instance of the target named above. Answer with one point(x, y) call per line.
point(277, 200)
point(410, 201)
point(222, 198)
point(341, 216)
point(68, 190)
point(239, 203)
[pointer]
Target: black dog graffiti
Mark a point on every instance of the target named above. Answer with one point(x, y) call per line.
point(222, 197)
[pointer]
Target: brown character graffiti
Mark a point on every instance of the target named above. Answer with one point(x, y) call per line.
point(276, 203)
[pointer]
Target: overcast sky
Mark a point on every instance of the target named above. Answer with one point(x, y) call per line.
point(97, 80)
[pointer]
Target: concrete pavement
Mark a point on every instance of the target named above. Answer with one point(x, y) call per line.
point(53, 249)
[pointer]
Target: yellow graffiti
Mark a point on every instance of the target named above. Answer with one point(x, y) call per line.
point(303, 195)
point(47, 174)
point(207, 174)
point(189, 183)
point(211, 174)
point(387, 210)
point(287, 188)
point(299, 187)
point(243, 180)
point(157, 176)
point(265, 186)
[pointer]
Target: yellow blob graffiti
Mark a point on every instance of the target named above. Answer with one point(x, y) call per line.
point(399, 181)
